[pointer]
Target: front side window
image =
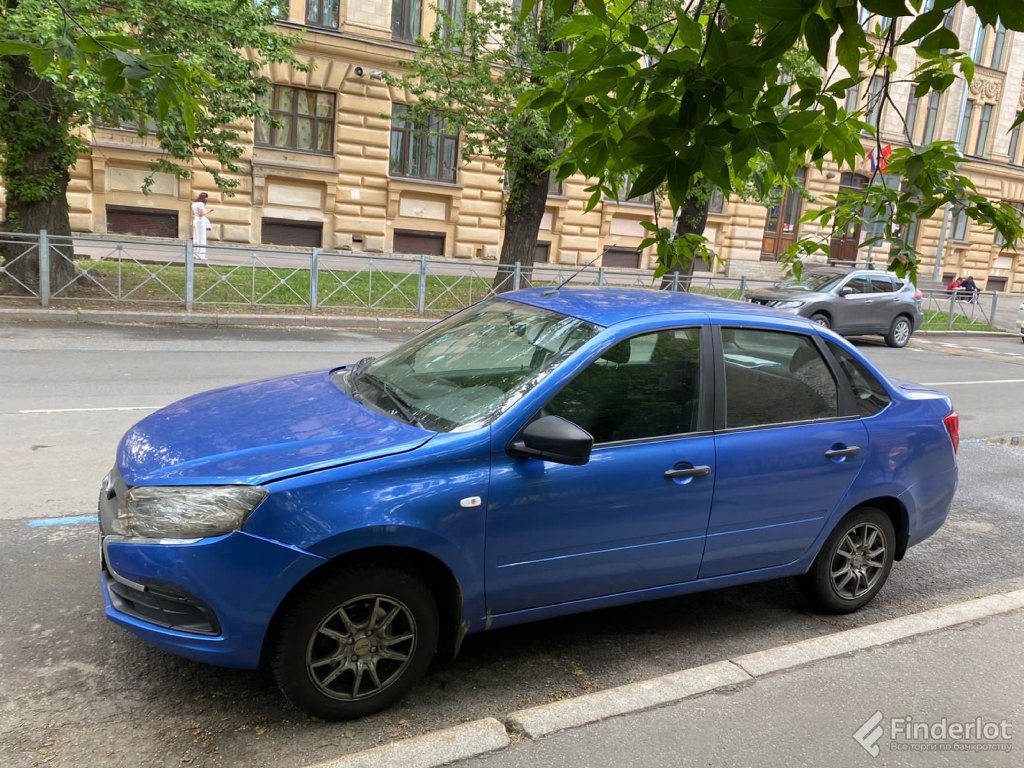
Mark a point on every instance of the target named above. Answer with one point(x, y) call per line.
point(644, 387)
point(405, 19)
point(774, 377)
point(857, 285)
point(322, 13)
point(469, 368)
point(301, 119)
point(422, 150)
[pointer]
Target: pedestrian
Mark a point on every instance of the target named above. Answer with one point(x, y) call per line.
point(200, 225)
point(953, 285)
point(970, 288)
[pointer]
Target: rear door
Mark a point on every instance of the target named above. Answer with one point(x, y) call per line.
point(784, 456)
point(886, 304)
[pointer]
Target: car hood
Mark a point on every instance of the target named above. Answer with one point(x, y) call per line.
point(257, 432)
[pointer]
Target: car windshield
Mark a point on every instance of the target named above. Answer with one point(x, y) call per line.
point(467, 369)
point(812, 282)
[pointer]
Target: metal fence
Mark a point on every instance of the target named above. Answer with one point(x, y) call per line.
point(163, 272)
point(974, 307)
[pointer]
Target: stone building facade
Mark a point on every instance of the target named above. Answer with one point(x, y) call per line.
point(340, 177)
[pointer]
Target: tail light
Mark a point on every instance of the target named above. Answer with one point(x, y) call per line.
point(918, 295)
point(952, 425)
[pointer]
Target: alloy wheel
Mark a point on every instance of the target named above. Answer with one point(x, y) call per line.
point(859, 561)
point(361, 647)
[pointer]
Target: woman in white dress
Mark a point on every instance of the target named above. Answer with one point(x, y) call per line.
point(200, 226)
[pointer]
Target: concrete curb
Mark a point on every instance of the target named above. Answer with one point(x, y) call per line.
point(480, 737)
point(438, 748)
point(635, 697)
point(217, 319)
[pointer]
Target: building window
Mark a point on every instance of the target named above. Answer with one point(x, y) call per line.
point(875, 100)
point(989, 48)
point(405, 19)
point(1000, 241)
point(910, 120)
point(931, 117)
point(1016, 156)
point(555, 187)
point(716, 203)
point(322, 13)
point(965, 125)
point(454, 21)
point(426, 150)
point(959, 232)
point(984, 126)
point(304, 120)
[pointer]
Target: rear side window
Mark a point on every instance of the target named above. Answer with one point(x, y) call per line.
point(774, 377)
point(881, 284)
point(869, 395)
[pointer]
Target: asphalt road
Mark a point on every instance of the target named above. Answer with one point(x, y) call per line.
point(79, 691)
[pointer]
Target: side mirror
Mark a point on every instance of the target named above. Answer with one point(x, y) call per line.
point(846, 291)
point(552, 438)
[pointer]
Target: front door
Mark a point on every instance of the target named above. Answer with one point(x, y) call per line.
point(784, 459)
point(782, 224)
point(558, 533)
point(844, 244)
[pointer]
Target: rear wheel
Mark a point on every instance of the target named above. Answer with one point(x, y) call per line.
point(899, 333)
point(821, 319)
point(854, 564)
point(356, 642)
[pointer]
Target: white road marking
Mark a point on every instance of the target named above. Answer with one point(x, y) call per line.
point(92, 410)
point(980, 381)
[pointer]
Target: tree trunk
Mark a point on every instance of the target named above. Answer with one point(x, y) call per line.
point(528, 194)
point(693, 218)
point(35, 167)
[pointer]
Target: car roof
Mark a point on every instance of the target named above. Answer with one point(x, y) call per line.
point(609, 306)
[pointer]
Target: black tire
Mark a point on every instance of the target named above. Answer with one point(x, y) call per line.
point(828, 585)
point(900, 332)
point(821, 319)
point(356, 642)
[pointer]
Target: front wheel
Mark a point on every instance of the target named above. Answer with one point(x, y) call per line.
point(899, 333)
point(854, 564)
point(356, 642)
point(821, 319)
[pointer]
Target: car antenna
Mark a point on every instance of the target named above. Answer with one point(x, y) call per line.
point(561, 285)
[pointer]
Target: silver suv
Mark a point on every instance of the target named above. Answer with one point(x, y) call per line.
point(861, 302)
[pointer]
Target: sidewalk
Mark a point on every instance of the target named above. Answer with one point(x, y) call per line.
point(940, 687)
point(809, 716)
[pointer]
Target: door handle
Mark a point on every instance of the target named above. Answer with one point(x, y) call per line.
point(676, 474)
point(842, 453)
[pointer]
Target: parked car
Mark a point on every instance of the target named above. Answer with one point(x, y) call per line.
point(858, 303)
point(538, 454)
point(1020, 320)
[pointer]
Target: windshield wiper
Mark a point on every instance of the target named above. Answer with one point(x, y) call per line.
point(400, 403)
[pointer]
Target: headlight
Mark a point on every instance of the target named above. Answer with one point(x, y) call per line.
point(788, 304)
point(186, 511)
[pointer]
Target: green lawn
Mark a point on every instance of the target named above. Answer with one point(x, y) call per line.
point(935, 320)
point(278, 287)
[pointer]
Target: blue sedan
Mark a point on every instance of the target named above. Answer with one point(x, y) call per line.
point(535, 455)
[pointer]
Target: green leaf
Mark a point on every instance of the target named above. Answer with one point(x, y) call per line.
point(921, 26)
point(16, 48)
point(597, 7)
point(1012, 14)
point(41, 59)
point(848, 53)
point(648, 180)
point(889, 8)
point(691, 34)
point(817, 35)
